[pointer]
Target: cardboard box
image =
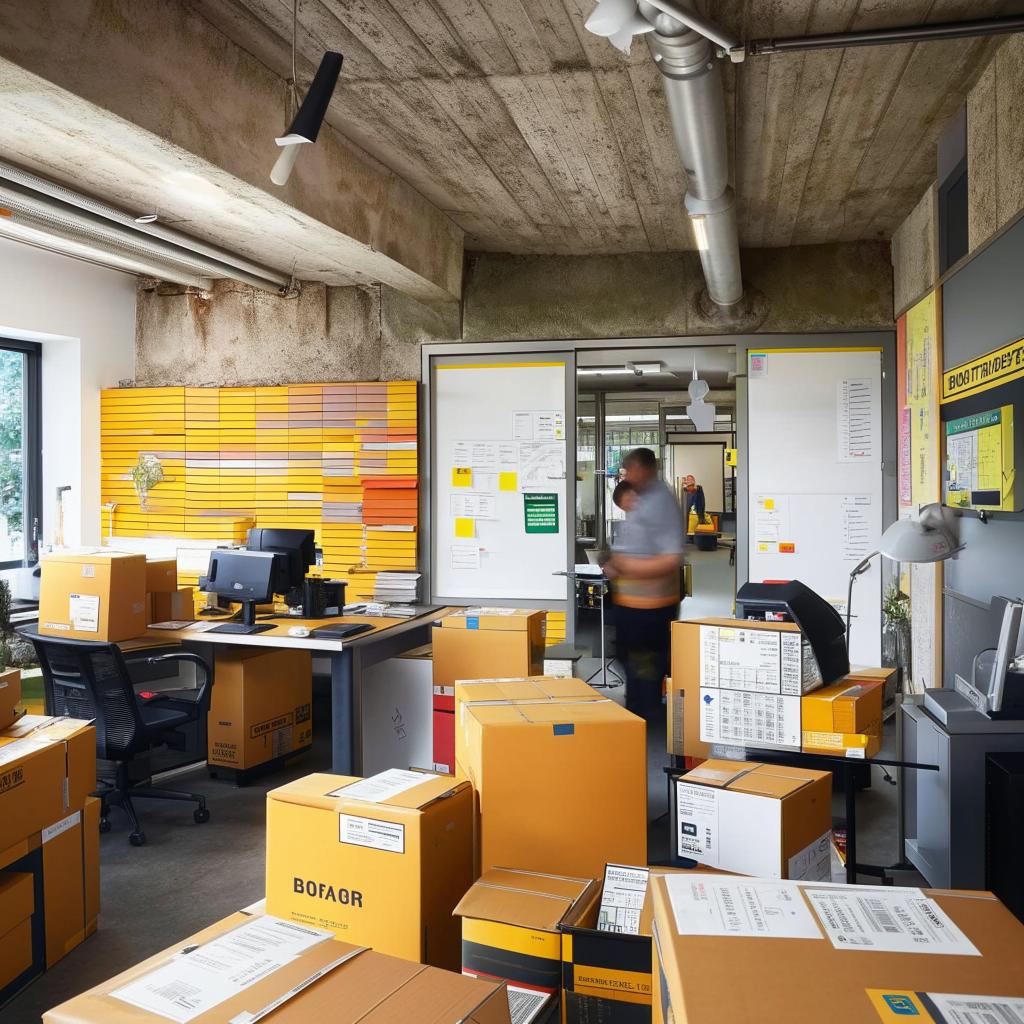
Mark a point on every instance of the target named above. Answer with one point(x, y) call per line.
point(10, 696)
point(480, 643)
point(708, 979)
point(161, 576)
point(384, 873)
point(171, 606)
point(767, 820)
point(329, 981)
point(47, 769)
point(261, 706)
point(844, 718)
point(511, 927)
point(71, 880)
point(732, 676)
point(561, 785)
point(92, 595)
point(17, 904)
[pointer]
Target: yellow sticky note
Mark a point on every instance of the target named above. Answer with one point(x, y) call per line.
point(769, 503)
point(462, 476)
point(465, 527)
point(508, 481)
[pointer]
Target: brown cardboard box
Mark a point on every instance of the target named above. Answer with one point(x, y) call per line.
point(46, 772)
point(71, 880)
point(92, 595)
point(352, 986)
point(721, 805)
point(385, 873)
point(708, 979)
point(482, 643)
point(511, 926)
point(161, 575)
point(10, 696)
point(171, 606)
point(844, 718)
point(732, 711)
point(260, 706)
point(17, 904)
point(561, 786)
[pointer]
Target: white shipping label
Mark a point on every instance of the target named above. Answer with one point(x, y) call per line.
point(524, 1004)
point(749, 659)
point(368, 832)
point(792, 663)
point(956, 1009)
point(749, 719)
point(382, 786)
point(84, 612)
point(61, 826)
point(709, 656)
point(697, 817)
point(814, 862)
point(714, 905)
point(887, 919)
point(191, 984)
point(622, 899)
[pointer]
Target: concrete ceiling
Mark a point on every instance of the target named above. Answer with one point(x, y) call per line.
point(536, 137)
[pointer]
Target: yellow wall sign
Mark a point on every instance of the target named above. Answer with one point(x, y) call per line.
point(988, 371)
point(730, 457)
point(924, 361)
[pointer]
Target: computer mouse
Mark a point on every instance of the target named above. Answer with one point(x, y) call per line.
point(298, 631)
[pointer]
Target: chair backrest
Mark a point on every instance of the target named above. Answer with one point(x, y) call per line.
point(90, 680)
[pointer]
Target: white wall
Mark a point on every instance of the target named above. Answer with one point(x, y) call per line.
point(84, 317)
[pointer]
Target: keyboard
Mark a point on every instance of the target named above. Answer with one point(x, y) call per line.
point(240, 628)
point(341, 632)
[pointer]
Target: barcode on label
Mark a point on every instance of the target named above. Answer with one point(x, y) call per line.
point(970, 1010)
point(524, 1004)
point(880, 918)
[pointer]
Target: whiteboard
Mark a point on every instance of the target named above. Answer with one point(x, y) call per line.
point(500, 433)
point(814, 502)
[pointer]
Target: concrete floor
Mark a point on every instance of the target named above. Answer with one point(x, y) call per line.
point(188, 875)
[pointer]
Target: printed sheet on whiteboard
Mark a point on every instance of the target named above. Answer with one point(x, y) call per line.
point(540, 462)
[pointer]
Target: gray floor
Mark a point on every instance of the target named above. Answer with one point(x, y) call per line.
point(188, 875)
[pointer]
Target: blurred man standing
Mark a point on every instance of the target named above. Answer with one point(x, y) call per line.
point(644, 569)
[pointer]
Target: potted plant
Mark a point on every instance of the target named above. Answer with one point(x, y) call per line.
point(896, 628)
point(146, 474)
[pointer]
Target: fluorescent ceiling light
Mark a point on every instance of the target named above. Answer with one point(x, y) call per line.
point(602, 371)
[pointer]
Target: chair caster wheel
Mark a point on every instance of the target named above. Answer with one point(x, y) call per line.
point(104, 824)
point(137, 838)
point(200, 815)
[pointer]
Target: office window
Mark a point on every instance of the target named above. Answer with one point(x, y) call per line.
point(20, 453)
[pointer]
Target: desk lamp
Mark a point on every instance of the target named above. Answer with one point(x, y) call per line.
point(931, 536)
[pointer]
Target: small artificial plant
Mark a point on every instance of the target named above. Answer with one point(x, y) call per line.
point(896, 606)
point(146, 474)
point(5, 625)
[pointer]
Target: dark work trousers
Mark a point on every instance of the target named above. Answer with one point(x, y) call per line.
point(643, 639)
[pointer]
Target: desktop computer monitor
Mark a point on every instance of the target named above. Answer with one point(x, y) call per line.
point(245, 577)
point(296, 551)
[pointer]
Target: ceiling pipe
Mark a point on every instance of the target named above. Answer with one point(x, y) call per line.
point(886, 36)
point(692, 81)
point(63, 208)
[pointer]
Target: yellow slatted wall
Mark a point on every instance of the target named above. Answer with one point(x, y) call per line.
point(340, 459)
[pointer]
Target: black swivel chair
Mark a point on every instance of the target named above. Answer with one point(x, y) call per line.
point(90, 680)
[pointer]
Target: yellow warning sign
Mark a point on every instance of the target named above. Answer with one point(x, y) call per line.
point(988, 371)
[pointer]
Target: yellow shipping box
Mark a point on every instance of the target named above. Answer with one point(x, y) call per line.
point(846, 954)
point(92, 595)
point(171, 606)
point(47, 769)
point(844, 718)
point(720, 805)
point(10, 696)
point(260, 706)
point(381, 862)
point(325, 980)
point(561, 786)
point(71, 879)
point(511, 926)
point(17, 904)
point(482, 643)
point(161, 575)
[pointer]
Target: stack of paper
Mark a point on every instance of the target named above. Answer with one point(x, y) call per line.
point(396, 586)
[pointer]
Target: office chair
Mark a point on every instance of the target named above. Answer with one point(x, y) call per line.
point(90, 680)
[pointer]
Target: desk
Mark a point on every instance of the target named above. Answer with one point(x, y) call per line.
point(389, 637)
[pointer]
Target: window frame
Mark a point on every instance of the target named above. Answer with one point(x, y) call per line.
point(32, 448)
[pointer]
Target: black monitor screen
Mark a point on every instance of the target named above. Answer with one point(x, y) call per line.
point(244, 576)
point(297, 549)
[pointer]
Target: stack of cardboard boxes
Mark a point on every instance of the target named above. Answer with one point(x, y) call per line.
point(49, 864)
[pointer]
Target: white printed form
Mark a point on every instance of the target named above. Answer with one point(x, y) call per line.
point(622, 899)
point(749, 659)
point(855, 413)
point(957, 1009)
point(697, 817)
point(754, 908)
point(886, 919)
point(191, 984)
point(383, 786)
point(524, 1004)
